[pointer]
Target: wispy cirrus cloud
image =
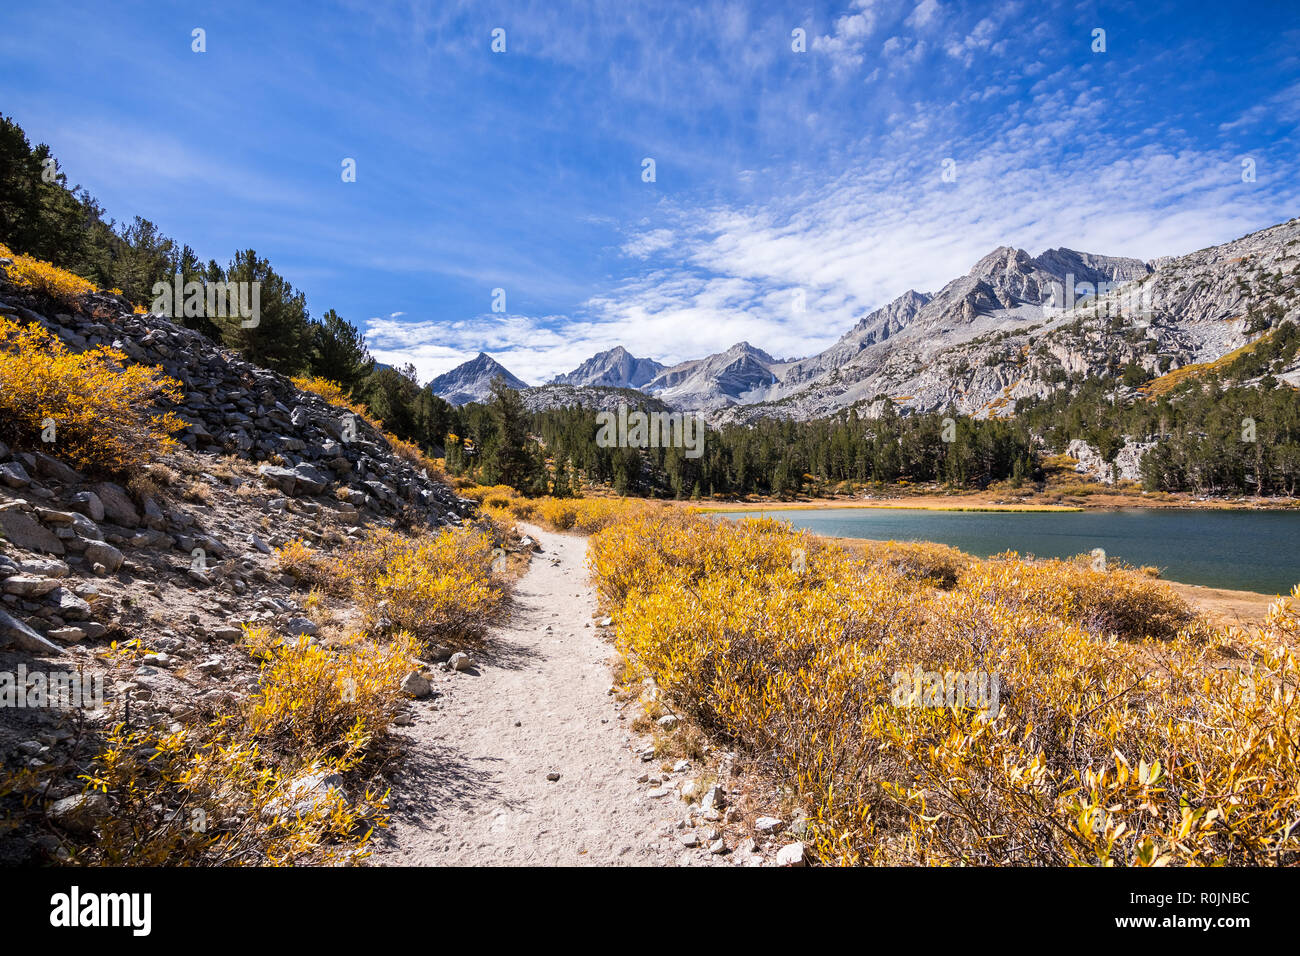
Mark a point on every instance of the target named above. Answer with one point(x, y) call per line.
point(1049, 166)
point(783, 176)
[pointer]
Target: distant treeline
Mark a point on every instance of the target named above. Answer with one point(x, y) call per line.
point(1214, 435)
point(782, 457)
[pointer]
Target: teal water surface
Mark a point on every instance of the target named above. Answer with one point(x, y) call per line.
point(1241, 550)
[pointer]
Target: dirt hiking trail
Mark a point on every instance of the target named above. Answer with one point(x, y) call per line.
point(474, 787)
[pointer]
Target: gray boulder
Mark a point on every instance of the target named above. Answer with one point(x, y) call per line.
point(416, 685)
point(14, 475)
point(15, 632)
point(26, 532)
point(282, 478)
point(97, 552)
point(80, 813)
point(29, 585)
point(56, 470)
point(118, 506)
point(88, 503)
point(311, 480)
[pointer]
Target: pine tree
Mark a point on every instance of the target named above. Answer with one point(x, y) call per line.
point(340, 352)
point(508, 459)
point(281, 337)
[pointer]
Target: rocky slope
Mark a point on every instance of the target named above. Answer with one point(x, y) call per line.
point(177, 557)
point(1005, 331)
point(472, 380)
point(596, 397)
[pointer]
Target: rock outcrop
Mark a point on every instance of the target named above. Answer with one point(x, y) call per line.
point(1127, 465)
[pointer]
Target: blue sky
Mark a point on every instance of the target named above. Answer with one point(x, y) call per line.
point(775, 170)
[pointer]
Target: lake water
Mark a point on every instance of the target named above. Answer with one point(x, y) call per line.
point(1241, 550)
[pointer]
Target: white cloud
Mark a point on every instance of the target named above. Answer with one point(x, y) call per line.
point(925, 11)
point(646, 243)
point(855, 242)
point(845, 44)
point(859, 228)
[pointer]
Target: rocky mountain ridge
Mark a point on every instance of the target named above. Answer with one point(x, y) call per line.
point(1014, 326)
point(614, 368)
point(472, 381)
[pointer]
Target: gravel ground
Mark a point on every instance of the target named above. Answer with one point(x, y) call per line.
point(475, 790)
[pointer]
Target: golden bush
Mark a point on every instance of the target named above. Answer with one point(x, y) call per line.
point(332, 392)
point(40, 277)
point(329, 703)
point(1121, 601)
point(937, 564)
point(208, 796)
point(433, 587)
point(259, 784)
point(97, 401)
point(1112, 735)
point(439, 588)
point(585, 515)
point(249, 787)
point(302, 561)
point(480, 492)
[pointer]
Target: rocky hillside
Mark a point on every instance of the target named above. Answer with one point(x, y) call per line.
point(596, 397)
point(179, 555)
point(1003, 331)
point(472, 380)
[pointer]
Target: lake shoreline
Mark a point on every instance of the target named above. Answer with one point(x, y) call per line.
point(992, 503)
point(1223, 606)
point(832, 504)
point(1231, 585)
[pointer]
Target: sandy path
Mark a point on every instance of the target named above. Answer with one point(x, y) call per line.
point(474, 788)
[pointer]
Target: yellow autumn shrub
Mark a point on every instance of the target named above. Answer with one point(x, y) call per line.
point(332, 392)
point(559, 514)
point(441, 587)
point(584, 515)
point(328, 702)
point(1102, 732)
point(281, 778)
point(1120, 601)
point(94, 404)
point(654, 545)
point(42, 278)
point(480, 493)
point(207, 795)
point(302, 561)
point(434, 587)
point(937, 564)
point(256, 785)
